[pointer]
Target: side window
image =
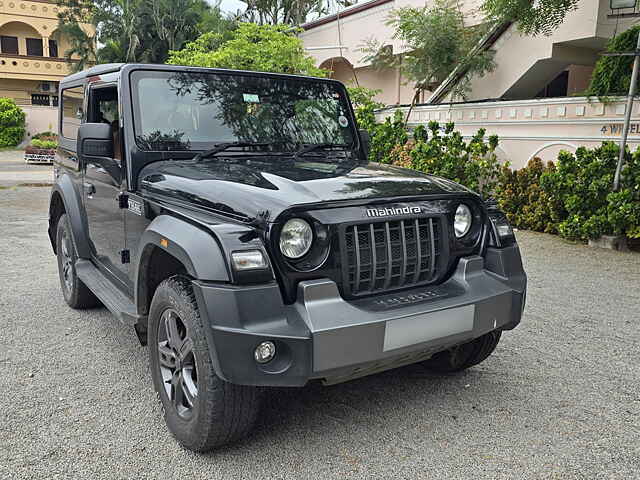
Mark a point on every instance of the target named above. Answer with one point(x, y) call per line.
point(103, 108)
point(72, 113)
point(103, 105)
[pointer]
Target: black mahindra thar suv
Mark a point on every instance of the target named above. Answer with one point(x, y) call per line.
point(233, 220)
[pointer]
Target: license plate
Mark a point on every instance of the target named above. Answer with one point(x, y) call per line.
point(404, 332)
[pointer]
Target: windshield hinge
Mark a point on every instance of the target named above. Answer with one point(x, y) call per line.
point(123, 200)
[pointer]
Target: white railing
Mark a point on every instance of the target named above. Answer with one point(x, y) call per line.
point(529, 128)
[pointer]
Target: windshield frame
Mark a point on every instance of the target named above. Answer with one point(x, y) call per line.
point(353, 147)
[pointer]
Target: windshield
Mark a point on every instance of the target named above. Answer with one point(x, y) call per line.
point(195, 111)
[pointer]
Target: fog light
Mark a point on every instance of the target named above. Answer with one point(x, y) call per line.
point(265, 352)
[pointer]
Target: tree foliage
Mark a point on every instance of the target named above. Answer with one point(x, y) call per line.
point(532, 18)
point(12, 121)
point(612, 75)
point(265, 48)
point(135, 30)
point(290, 12)
point(364, 106)
point(436, 41)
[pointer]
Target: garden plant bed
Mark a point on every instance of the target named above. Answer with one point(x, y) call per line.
point(39, 155)
point(42, 148)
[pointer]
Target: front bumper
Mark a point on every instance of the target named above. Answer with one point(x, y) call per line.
point(322, 336)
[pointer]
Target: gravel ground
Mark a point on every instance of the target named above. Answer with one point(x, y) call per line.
point(558, 399)
point(14, 171)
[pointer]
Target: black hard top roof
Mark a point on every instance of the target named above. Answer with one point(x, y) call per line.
point(116, 67)
point(90, 72)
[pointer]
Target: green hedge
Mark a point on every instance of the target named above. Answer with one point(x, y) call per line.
point(581, 189)
point(571, 197)
point(12, 121)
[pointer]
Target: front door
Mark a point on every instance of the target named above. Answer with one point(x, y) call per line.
point(103, 182)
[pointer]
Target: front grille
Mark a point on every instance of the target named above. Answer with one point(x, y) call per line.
point(383, 256)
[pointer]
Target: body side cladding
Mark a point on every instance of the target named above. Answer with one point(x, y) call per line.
point(65, 189)
point(193, 247)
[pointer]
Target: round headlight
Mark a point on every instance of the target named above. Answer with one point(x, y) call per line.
point(295, 238)
point(462, 221)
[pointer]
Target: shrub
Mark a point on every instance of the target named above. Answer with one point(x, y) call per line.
point(580, 187)
point(387, 136)
point(443, 152)
point(12, 121)
point(522, 199)
point(46, 136)
point(46, 144)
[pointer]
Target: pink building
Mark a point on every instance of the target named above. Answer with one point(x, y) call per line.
point(529, 100)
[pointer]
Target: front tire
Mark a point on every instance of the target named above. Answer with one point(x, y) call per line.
point(75, 293)
point(201, 410)
point(464, 356)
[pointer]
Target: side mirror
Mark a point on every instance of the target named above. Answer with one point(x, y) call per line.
point(365, 143)
point(95, 142)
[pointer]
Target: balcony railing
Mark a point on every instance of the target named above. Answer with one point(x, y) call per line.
point(36, 8)
point(33, 65)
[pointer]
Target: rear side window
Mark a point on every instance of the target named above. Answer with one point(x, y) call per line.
point(72, 113)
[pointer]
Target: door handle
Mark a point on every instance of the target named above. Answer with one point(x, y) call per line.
point(89, 189)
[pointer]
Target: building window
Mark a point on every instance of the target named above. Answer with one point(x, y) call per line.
point(72, 112)
point(9, 45)
point(34, 47)
point(39, 99)
point(53, 48)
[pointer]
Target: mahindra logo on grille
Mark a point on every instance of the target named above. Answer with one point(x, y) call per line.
point(388, 211)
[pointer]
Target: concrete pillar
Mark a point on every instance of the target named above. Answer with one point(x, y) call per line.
point(45, 46)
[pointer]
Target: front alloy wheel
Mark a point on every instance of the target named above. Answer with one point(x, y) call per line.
point(201, 410)
point(177, 363)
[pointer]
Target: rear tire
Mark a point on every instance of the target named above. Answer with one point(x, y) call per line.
point(201, 410)
point(75, 293)
point(464, 356)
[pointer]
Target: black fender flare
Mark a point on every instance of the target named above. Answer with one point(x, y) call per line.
point(72, 200)
point(195, 248)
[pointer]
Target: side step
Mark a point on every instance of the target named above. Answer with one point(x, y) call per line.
point(113, 298)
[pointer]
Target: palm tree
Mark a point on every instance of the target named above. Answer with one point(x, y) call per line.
point(82, 52)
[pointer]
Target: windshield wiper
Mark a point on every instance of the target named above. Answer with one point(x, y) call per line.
point(220, 147)
point(317, 146)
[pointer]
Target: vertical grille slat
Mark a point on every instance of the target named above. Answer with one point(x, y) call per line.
point(403, 240)
point(385, 255)
point(357, 249)
point(374, 263)
point(387, 277)
point(416, 275)
point(432, 258)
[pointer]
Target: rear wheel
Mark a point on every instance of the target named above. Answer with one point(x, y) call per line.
point(464, 356)
point(201, 410)
point(75, 293)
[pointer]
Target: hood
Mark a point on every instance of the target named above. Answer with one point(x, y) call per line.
point(265, 187)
